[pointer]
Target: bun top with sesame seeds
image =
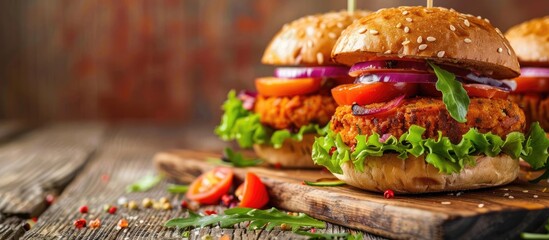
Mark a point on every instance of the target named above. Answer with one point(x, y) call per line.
point(531, 41)
point(441, 35)
point(309, 40)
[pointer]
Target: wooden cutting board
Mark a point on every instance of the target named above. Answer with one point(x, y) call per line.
point(494, 213)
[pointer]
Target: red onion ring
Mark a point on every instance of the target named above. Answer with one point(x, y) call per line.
point(387, 65)
point(394, 77)
point(534, 72)
point(314, 72)
point(248, 99)
point(363, 111)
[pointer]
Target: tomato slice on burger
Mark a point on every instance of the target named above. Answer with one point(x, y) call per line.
point(252, 193)
point(210, 186)
point(473, 90)
point(363, 94)
point(283, 87)
point(532, 84)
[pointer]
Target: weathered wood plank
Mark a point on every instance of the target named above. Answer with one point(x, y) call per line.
point(12, 227)
point(125, 157)
point(43, 162)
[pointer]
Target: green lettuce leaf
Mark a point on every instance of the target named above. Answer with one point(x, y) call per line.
point(448, 158)
point(245, 127)
point(454, 95)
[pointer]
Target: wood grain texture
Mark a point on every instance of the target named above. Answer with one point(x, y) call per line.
point(124, 157)
point(505, 213)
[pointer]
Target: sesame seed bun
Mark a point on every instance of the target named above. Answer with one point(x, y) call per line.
point(531, 41)
point(414, 175)
point(438, 34)
point(309, 40)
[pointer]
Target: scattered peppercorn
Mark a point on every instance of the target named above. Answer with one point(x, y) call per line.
point(35, 219)
point(80, 223)
point(313, 230)
point(332, 150)
point(167, 206)
point(163, 200)
point(284, 227)
point(184, 204)
point(95, 223)
point(49, 199)
point(122, 223)
point(147, 203)
point(112, 210)
point(210, 212)
point(157, 205)
point(227, 199)
point(105, 178)
point(106, 207)
point(132, 205)
point(27, 226)
point(83, 209)
point(388, 194)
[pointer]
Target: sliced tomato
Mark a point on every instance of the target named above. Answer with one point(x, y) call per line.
point(283, 87)
point(532, 84)
point(363, 94)
point(473, 90)
point(252, 193)
point(210, 186)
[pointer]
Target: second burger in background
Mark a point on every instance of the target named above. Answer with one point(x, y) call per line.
point(291, 108)
point(531, 43)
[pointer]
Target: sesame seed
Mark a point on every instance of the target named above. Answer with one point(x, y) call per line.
point(487, 20)
point(525, 191)
point(339, 25)
point(422, 47)
point(509, 51)
point(409, 19)
point(399, 25)
point(323, 25)
point(319, 34)
point(332, 35)
point(452, 27)
point(500, 50)
point(419, 39)
point(445, 203)
point(505, 189)
point(467, 40)
point(544, 190)
point(405, 42)
point(506, 194)
point(388, 52)
point(431, 39)
point(466, 22)
point(479, 17)
point(405, 13)
point(310, 43)
point(362, 30)
point(535, 196)
point(511, 197)
point(427, 10)
point(480, 205)
point(406, 29)
point(440, 54)
point(373, 32)
point(320, 58)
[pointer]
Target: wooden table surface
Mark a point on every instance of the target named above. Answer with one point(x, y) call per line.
point(91, 164)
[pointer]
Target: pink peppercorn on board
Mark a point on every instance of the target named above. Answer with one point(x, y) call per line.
point(494, 213)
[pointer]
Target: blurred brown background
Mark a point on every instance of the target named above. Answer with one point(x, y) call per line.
point(163, 61)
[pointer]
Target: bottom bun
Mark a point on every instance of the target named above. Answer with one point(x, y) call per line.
point(292, 154)
point(414, 175)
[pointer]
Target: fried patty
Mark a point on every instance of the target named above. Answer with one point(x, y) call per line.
point(498, 116)
point(294, 112)
point(535, 107)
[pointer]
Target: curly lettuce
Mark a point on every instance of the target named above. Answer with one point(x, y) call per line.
point(441, 153)
point(245, 127)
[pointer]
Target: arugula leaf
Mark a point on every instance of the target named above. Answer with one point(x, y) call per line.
point(175, 188)
point(144, 184)
point(357, 236)
point(325, 183)
point(245, 127)
point(331, 152)
point(258, 219)
point(454, 95)
point(327, 236)
point(536, 235)
point(236, 159)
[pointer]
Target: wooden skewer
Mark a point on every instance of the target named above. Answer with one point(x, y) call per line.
point(351, 5)
point(429, 3)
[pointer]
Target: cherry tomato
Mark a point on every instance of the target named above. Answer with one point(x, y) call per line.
point(363, 94)
point(252, 193)
point(283, 87)
point(473, 90)
point(210, 186)
point(532, 84)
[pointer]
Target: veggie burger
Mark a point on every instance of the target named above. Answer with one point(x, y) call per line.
point(531, 43)
point(429, 109)
point(291, 108)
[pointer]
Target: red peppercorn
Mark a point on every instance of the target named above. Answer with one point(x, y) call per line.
point(388, 194)
point(35, 219)
point(332, 150)
point(227, 199)
point(210, 212)
point(84, 209)
point(80, 223)
point(105, 178)
point(112, 210)
point(313, 230)
point(184, 204)
point(49, 199)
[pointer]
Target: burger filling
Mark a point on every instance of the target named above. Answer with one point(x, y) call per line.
point(415, 107)
point(532, 93)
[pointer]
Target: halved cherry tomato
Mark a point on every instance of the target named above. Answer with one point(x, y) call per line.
point(252, 193)
point(282, 87)
point(210, 186)
point(473, 90)
point(363, 94)
point(532, 84)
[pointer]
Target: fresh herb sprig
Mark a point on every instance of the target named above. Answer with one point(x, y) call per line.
point(144, 184)
point(175, 188)
point(258, 219)
point(237, 160)
point(536, 235)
